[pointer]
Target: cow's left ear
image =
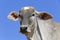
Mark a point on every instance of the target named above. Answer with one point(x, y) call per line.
point(45, 16)
point(13, 16)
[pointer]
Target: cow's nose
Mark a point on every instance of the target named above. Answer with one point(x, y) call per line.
point(23, 28)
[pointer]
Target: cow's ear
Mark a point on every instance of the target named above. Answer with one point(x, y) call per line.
point(45, 16)
point(13, 16)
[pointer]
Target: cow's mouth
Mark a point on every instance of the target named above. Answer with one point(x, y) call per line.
point(24, 31)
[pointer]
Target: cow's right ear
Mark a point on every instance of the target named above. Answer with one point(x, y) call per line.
point(13, 16)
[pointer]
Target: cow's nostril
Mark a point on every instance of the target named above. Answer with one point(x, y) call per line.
point(23, 28)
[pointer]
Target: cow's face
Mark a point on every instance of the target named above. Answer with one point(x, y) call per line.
point(26, 16)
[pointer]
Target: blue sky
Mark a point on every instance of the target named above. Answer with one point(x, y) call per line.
point(9, 30)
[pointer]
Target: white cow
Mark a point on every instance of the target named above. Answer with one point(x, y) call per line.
point(36, 25)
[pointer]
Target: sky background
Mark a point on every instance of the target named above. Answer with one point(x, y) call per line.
point(9, 30)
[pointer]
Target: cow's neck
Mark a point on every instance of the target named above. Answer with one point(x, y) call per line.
point(45, 27)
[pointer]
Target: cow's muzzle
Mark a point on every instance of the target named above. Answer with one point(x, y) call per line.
point(23, 29)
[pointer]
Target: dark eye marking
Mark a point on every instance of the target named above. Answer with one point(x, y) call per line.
point(33, 14)
point(20, 16)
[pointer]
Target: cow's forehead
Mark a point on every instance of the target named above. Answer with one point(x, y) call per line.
point(27, 9)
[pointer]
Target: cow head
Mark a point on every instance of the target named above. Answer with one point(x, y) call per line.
point(26, 15)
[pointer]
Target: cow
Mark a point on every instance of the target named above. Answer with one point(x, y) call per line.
point(36, 25)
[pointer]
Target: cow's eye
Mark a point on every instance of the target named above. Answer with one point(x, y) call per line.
point(33, 14)
point(21, 16)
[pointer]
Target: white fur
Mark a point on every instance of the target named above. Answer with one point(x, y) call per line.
point(25, 8)
point(50, 30)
